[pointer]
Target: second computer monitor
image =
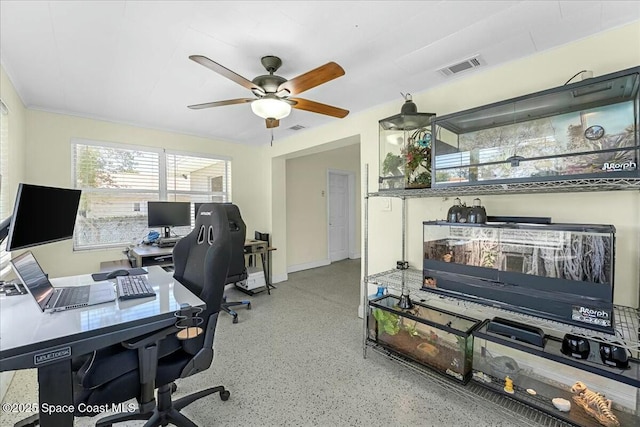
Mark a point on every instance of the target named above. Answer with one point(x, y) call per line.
point(168, 214)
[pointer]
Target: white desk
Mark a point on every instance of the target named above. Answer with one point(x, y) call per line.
point(32, 339)
point(147, 255)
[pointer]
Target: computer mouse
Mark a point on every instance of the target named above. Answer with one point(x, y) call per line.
point(116, 273)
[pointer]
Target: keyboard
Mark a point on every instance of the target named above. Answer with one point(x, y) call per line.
point(130, 287)
point(166, 242)
point(73, 296)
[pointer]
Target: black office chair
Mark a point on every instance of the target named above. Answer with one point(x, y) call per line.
point(138, 367)
point(237, 268)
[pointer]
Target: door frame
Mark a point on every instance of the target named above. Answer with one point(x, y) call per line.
point(351, 211)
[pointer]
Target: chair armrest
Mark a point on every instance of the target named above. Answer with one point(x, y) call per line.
point(147, 349)
point(150, 338)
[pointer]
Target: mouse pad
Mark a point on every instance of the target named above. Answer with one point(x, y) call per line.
point(132, 272)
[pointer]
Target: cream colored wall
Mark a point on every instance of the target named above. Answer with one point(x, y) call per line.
point(48, 143)
point(306, 190)
point(603, 53)
point(276, 206)
point(16, 167)
point(17, 126)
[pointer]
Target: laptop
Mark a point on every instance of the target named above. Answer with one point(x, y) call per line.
point(51, 299)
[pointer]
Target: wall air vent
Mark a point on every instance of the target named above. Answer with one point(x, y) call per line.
point(459, 67)
point(296, 127)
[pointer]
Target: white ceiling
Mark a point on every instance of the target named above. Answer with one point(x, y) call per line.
point(127, 61)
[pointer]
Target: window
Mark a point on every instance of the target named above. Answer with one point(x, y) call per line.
point(117, 180)
point(5, 201)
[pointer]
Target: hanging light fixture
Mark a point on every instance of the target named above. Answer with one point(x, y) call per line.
point(271, 107)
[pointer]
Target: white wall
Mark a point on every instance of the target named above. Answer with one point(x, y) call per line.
point(49, 163)
point(306, 189)
point(606, 52)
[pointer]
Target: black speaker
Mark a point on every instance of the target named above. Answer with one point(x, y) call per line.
point(575, 346)
point(613, 355)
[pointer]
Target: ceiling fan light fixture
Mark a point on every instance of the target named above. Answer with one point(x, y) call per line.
point(271, 108)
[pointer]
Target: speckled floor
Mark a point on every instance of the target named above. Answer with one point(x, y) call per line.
point(295, 359)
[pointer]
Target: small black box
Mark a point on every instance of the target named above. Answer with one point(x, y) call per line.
point(517, 331)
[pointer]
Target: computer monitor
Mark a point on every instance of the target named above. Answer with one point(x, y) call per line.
point(42, 215)
point(4, 228)
point(168, 214)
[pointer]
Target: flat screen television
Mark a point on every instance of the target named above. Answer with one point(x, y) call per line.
point(168, 214)
point(42, 215)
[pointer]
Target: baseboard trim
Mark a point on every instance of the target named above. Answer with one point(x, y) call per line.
point(355, 255)
point(277, 278)
point(308, 265)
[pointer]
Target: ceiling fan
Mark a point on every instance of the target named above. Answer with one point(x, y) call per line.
point(273, 94)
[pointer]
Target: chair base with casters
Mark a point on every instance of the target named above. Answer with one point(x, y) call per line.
point(226, 306)
point(166, 411)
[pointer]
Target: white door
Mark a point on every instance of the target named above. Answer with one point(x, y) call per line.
point(338, 216)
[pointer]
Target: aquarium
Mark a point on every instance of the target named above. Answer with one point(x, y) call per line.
point(562, 272)
point(581, 130)
point(405, 151)
point(432, 337)
point(538, 376)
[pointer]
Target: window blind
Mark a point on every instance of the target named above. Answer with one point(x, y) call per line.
point(196, 179)
point(118, 180)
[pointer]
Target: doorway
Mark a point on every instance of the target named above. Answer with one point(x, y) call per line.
point(340, 214)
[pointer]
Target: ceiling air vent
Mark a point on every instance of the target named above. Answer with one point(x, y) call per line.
point(467, 64)
point(296, 127)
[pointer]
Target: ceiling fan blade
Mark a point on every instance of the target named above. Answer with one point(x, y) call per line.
point(317, 107)
point(214, 66)
point(313, 78)
point(221, 103)
point(272, 123)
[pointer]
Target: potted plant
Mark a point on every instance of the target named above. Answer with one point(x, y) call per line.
point(413, 163)
point(417, 157)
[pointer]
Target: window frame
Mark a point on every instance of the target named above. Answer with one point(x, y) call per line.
point(164, 193)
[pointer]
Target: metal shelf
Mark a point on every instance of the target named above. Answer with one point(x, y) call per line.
point(516, 412)
point(552, 186)
point(626, 326)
